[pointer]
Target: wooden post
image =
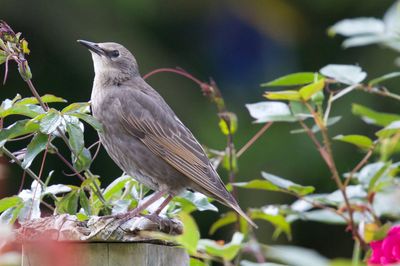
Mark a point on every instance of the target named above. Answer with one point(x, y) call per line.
point(102, 254)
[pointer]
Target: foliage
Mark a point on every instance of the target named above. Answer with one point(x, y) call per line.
point(361, 201)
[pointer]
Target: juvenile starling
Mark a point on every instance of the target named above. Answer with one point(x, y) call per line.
point(143, 135)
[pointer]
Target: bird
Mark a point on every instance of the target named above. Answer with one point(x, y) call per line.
point(143, 135)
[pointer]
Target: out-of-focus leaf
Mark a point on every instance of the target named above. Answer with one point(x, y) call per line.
point(372, 117)
point(295, 256)
point(345, 262)
point(385, 200)
point(358, 26)
point(347, 74)
point(83, 107)
point(195, 199)
point(83, 160)
point(288, 95)
point(227, 218)
point(82, 217)
point(308, 91)
point(37, 145)
point(197, 262)
point(227, 251)
point(8, 202)
point(190, 237)
point(47, 98)
point(277, 220)
point(287, 184)
point(373, 171)
point(10, 215)
point(3, 57)
point(17, 129)
point(24, 70)
point(389, 130)
point(31, 206)
point(294, 79)
point(233, 124)
point(358, 140)
point(299, 110)
point(270, 111)
point(24, 46)
point(322, 216)
point(90, 120)
point(50, 122)
point(68, 203)
point(385, 77)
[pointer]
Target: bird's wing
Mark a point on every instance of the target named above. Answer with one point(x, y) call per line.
point(155, 124)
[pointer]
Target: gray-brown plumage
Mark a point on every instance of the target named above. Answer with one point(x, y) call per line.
point(143, 135)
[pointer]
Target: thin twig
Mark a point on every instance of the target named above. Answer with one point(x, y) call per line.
point(359, 165)
point(253, 139)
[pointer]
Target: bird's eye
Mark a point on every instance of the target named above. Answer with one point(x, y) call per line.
point(114, 53)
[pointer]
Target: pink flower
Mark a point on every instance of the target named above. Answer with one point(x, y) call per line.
point(387, 250)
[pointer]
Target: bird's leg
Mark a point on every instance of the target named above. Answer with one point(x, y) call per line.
point(155, 218)
point(163, 205)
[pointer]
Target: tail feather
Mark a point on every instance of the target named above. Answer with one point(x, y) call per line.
point(241, 213)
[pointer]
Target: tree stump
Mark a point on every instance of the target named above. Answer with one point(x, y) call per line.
point(62, 240)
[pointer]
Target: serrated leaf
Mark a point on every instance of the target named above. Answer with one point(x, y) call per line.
point(288, 95)
point(294, 79)
point(9, 202)
point(373, 117)
point(270, 111)
point(385, 77)
point(90, 120)
point(360, 141)
point(226, 219)
point(37, 145)
point(308, 91)
point(227, 251)
point(389, 130)
point(347, 74)
point(49, 123)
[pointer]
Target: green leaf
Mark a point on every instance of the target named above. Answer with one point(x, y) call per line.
point(75, 137)
point(76, 108)
point(294, 79)
point(270, 111)
point(288, 185)
point(37, 145)
point(90, 120)
point(3, 57)
point(197, 262)
point(347, 74)
point(226, 218)
point(191, 234)
point(308, 91)
point(116, 186)
point(288, 95)
point(82, 161)
point(322, 216)
point(47, 98)
point(249, 263)
point(384, 78)
point(25, 70)
point(230, 127)
point(9, 202)
point(277, 220)
point(17, 129)
point(188, 200)
point(315, 128)
point(372, 117)
point(295, 256)
point(360, 141)
point(227, 251)
point(389, 130)
point(50, 122)
point(68, 203)
point(29, 110)
point(84, 201)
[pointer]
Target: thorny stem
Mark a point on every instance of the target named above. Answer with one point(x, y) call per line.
point(328, 157)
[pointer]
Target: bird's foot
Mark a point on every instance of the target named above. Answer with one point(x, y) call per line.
point(165, 224)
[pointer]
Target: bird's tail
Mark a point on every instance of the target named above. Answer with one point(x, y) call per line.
point(234, 205)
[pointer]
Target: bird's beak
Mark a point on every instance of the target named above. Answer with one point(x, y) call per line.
point(94, 47)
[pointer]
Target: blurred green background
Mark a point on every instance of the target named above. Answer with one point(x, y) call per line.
point(240, 44)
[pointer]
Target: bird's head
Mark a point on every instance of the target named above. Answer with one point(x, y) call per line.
point(111, 58)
